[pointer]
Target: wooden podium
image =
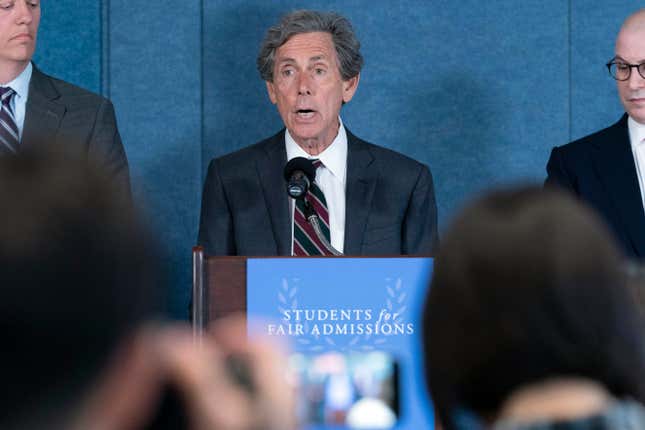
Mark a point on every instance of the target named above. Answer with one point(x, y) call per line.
point(219, 287)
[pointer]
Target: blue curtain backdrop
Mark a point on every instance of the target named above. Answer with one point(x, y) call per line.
point(480, 91)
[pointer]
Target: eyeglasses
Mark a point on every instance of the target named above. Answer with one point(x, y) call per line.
point(622, 71)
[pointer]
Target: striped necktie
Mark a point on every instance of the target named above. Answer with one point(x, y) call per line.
point(8, 129)
point(305, 241)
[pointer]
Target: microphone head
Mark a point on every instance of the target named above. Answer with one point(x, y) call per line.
point(299, 173)
point(303, 164)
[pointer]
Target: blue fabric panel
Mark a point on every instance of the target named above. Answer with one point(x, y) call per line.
point(477, 90)
point(237, 110)
point(594, 27)
point(69, 41)
point(155, 86)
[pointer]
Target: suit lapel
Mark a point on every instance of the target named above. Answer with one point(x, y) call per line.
point(42, 114)
point(270, 165)
point(361, 183)
point(614, 162)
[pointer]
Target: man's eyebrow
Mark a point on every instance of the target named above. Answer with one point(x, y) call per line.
point(286, 60)
point(622, 60)
point(313, 59)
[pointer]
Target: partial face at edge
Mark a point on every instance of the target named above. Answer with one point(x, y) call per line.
point(19, 20)
point(630, 48)
point(308, 88)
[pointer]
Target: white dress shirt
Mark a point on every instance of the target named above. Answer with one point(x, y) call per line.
point(331, 178)
point(637, 140)
point(19, 101)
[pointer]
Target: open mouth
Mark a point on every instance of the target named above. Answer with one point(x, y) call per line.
point(305, 113)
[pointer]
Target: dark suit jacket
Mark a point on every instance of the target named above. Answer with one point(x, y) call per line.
point(390, 204)
point(64, 118)
point(600, 169)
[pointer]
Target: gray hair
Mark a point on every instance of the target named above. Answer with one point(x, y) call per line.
point(309, 21)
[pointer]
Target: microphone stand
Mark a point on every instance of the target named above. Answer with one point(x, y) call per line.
point(312, 218)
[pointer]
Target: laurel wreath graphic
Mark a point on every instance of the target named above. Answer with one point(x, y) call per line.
point(396, 298)
point(395, 303)
point(287, 296)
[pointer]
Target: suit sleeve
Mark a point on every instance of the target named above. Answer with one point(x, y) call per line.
point(420, 235)
point(106, 148)
point(216, 223)
point(557, 173)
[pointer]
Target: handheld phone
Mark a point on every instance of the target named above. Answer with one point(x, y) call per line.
point(353, 390)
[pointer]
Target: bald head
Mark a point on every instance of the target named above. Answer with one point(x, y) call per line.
point(630, 50)
point(631, 41)
point(634, 21)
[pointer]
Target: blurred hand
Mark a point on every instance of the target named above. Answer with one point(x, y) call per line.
point(213, 399)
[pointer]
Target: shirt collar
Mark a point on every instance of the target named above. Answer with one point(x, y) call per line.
point(334, 157)
point(636, 132)
point(20, 84)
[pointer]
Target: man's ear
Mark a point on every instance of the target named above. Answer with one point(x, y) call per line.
point(271, 91)
point(349, 87)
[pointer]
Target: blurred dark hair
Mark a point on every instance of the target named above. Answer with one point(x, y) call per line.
point(527, 286)
point(76, 276)
point(636, 280)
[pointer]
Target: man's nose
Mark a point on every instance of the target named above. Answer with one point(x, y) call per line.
point(24, 12)
point(304, 84)
point(636, 81)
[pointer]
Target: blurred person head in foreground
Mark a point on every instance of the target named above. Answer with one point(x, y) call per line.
point(78, 286)
point(529, 321)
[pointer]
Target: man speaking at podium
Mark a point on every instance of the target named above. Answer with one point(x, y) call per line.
point(370, 200)
point(41, 113)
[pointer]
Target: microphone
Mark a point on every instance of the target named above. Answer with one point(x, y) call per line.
point(299, 174)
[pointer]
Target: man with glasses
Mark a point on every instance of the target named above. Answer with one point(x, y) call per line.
point(607, 168)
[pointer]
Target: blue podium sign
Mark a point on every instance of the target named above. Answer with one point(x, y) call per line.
point(348, 305)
